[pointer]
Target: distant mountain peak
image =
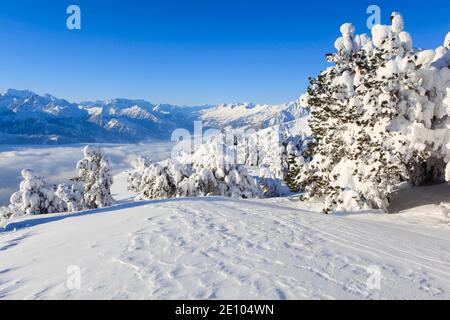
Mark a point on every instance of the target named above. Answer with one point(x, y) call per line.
point(21, 94)
point(48, 119)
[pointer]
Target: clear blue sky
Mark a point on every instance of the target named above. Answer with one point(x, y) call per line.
point(187, 51)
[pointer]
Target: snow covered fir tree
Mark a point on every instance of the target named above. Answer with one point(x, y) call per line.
point(70, 195)
point(95, 173)
point(379, 117)
point(156, 183)
point(34, 197)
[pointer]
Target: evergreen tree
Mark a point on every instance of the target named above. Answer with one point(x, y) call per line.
point(357, 107)
point(136, 172)
point(156, 183)
point(95, 174)
point(293, 172)
point(34, 197)
point(71, 196)
point(215, 172)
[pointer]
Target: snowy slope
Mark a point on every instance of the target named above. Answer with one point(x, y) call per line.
point(219, 248)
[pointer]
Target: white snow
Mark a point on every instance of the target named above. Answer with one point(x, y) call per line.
point(250, 116)
point(218, 248)
point(397, 22)
point(447, 41)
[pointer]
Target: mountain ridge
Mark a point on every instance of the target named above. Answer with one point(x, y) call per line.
point(30, 118)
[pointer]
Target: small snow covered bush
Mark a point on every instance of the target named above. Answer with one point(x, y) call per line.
point(150, 180)
point(70, 196)
point(34, 197)
point(136, 172)
point(5, 214)
point(215, 172)
point(95, 174)
point(270, 186)
point(156, 183)
point(379, 116)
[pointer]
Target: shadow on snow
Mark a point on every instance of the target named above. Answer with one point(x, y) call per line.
point(48, 218)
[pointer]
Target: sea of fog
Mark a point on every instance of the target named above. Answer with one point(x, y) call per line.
point(58, 163)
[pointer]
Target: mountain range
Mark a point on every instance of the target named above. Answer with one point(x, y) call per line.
point(29, 118)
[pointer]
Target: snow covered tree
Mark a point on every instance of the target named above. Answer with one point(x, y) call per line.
point(136, 172)
point(156, 183)
point(200, 183)
point(156, 180)
point(71, 196)
point(360, 110)
point(298, 152)
point(253, 156)
point(270, 148)
point(95, 174)
point(293, 172)
point(216, 173)
point(34, 197)
point(5, 214)
point(178, 171)
point(270, 186)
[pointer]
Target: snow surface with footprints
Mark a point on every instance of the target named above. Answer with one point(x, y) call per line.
point(218, 248)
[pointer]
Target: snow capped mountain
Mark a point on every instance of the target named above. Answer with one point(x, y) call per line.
point(26, 117)
point(27, 104)
point(250, 115)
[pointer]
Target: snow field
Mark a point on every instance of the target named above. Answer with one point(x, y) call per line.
point(220, 248)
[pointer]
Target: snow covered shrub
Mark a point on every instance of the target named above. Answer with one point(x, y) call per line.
point(136, 172)
point(95, 174)
point(157, 180)
point(5, 214)
point(200, 183)
point(34, 197)
point(210, 171)
point(271, 148)
point(71, 196)
point(368, 115)
point(298, 152)
point(295, 163)
point(270, 186)
point(178, 171)
point(156, 183)
point(215, 172)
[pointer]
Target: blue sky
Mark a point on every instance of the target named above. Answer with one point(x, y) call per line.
point(187, 51)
